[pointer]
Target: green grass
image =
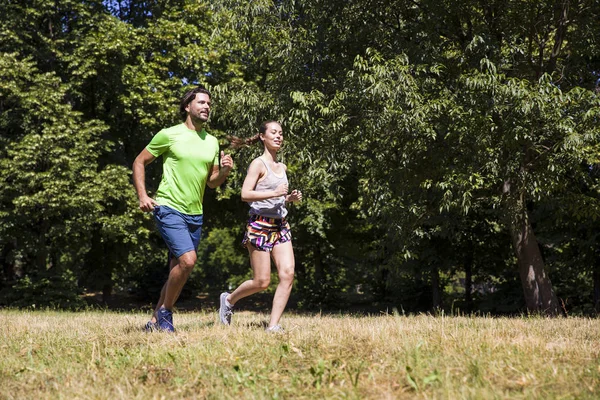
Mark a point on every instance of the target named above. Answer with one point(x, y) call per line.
point(102, 355)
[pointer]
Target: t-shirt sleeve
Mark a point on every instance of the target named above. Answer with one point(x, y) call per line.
point(159, 144)
point(216, 159)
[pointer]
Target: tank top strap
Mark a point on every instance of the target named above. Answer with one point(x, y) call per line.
point(265, 163)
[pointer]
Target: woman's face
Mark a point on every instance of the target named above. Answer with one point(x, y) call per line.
point(273, 136)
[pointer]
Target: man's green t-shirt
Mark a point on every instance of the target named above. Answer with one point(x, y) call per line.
point(188, 159)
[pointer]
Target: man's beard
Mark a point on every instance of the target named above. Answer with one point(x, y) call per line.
point(197, 119)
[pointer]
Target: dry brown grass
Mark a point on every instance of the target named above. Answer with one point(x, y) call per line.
point(101, 355)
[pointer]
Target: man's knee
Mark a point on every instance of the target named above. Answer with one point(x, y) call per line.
point(187, 261)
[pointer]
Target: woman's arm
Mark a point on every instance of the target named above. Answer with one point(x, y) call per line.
point(256, 171)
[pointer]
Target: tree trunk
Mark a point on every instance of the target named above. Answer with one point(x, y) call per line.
point(435, 289)
point(469, 278)
point(597, 290)
point(537, 288)
point(8, 267)
point(106, 292)
point(319, 273)
point(41, 256)
point(107, 268)
point(596, 279)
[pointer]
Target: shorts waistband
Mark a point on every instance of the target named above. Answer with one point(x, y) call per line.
point(269, 220)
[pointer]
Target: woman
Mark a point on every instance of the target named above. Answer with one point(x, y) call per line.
point(267, 233)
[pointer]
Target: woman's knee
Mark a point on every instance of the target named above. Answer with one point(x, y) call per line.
point(262, 283)
point(286, 274)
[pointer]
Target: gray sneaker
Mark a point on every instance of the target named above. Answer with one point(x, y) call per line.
point(275, 329)
point(225, 312)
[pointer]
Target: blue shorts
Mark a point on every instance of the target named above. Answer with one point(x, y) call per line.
point(181, 232)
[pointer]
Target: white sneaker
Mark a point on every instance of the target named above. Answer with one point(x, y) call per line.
point(225, 312)
point(275, 329)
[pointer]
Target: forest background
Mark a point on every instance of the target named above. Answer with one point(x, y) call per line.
point(448, 151)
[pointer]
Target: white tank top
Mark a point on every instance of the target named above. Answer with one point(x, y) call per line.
point(275, 206)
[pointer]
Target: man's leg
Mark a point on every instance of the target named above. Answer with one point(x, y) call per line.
point(172, 263)
point(283, 256)
point(177, 278)
point(182, 234)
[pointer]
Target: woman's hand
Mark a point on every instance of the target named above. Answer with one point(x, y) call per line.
point(281, 190)
point(296, 195)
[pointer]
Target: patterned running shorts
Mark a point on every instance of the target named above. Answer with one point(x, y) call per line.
point(264, 233)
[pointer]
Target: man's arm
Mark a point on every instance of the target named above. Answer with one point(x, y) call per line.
point(218, 175)
point(139, 180)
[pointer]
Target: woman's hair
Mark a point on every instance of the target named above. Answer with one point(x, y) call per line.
point(187, 99)
point(237, 142)
point(263, 126)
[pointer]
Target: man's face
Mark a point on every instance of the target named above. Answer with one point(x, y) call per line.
point(199, 108)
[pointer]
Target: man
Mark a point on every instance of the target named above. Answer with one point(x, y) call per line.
point(190, 162)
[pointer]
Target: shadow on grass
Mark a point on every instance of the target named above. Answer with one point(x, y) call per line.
point(259, 302)
point(202, 302)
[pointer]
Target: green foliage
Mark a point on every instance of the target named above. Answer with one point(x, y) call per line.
point(411, 128)
point(221, 259)
point(58, 194)
point(45, 289)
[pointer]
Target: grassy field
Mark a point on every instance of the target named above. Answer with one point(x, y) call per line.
point(102, 355)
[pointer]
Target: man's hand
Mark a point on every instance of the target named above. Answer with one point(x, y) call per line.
point(226, 161)
point(220, 173)
point(147, 204)
point(139, 175)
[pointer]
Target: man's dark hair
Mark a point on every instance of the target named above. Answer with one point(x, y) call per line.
point(187, 99)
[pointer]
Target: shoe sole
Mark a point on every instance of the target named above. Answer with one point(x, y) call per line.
point(223, 303)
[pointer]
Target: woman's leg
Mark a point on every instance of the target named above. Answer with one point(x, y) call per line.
point(261, 275)
point(283, 255)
